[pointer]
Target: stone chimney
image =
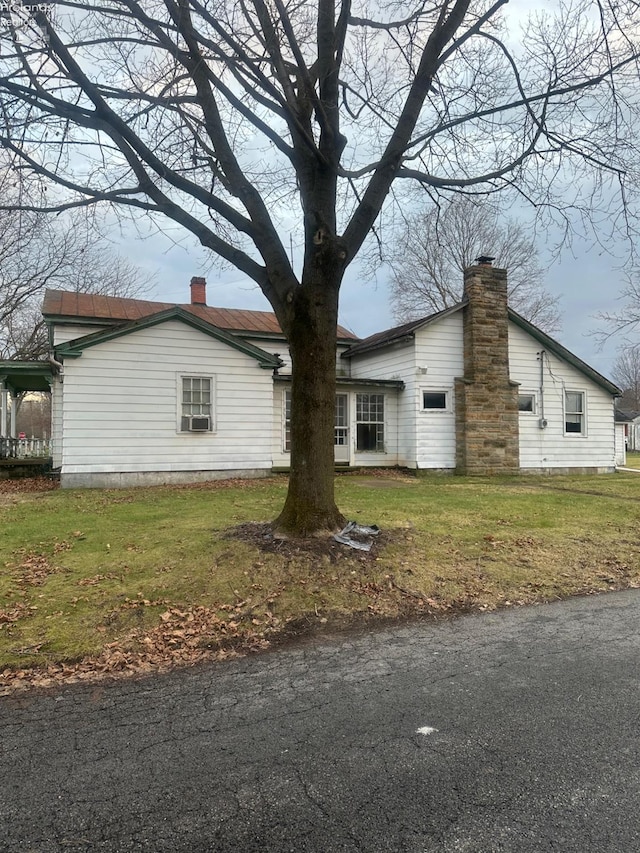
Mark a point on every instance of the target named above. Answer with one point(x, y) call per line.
point(486, 399)
point(198, 291)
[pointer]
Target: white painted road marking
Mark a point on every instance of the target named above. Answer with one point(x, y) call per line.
point(426, 730)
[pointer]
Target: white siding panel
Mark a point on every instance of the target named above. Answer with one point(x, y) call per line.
point(57, 390)
point(547, 376)
point(121, 405)
point(370, 458)
point(271, 345)
point(431, 362)
point(280, 458)
point(62, 334)
point(393, 363)
point(439, 360)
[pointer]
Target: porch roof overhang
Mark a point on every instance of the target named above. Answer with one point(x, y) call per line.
point(21, 376)
point(396, 384)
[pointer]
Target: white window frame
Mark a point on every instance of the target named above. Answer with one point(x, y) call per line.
point(286, 420)
point(534, 403)
point(435, 410)
point(583, 414)
point(380, 424)
point(180, 377)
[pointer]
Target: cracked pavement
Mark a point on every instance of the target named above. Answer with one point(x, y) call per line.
point(530, 742)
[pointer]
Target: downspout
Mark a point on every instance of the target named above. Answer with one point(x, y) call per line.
point(58, 366)
point(542, 421)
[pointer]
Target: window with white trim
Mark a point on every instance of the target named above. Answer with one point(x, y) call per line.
point(196, 403)
point(370, 422)
point(574, 412)
point(434, 401)
point(527, 403)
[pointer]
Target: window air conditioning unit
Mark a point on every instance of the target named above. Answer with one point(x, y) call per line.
point(199, 423)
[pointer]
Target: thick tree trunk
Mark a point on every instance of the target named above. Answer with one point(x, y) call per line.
point(310, 505)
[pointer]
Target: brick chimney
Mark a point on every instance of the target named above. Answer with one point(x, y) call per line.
point(198, 291)
point(486, 400)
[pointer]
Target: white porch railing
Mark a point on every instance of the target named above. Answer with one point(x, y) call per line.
point(25, 448)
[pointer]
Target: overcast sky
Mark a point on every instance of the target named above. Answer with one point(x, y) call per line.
point(586, 280)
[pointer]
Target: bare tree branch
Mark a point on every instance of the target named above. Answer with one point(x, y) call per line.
point(434, 248)
point(250, 120)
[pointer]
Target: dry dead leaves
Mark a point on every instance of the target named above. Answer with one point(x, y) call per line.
point(184, 636)
point(19, 485)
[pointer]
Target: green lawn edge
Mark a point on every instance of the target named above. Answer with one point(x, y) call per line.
point(126, 581)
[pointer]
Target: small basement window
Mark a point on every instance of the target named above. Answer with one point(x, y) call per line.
point(434, 401)
point(526, 403)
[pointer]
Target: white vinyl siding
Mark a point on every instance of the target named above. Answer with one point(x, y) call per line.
point(121, 402)
point(64, 333)
point(57, 389)
point(544, 444)
point(439, 360)
point(392, 363)
point(426, 438)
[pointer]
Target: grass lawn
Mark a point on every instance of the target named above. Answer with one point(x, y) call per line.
point(633, 459)
point(109, 581)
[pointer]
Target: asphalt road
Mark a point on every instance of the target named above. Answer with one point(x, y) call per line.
point(515, 731)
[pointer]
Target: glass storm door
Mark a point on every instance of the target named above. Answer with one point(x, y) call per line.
point(342, 429)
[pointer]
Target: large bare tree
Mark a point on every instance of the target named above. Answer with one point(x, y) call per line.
point(626, 372)
point(431, 251)
point(250, 121)
point(623, 318)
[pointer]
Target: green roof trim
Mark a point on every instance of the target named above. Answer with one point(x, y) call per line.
point(26, 375)
point(397, 384)
point(75, 348)
point(400, 335)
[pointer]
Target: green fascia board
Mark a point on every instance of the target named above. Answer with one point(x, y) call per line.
point(563, 353)
point(396, 384)
point(75, 348)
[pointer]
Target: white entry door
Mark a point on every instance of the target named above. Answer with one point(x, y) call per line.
point(342, 429)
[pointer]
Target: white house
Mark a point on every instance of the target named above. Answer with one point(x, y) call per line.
point(148, 392)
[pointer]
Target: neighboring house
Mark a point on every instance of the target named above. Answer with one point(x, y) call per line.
point(634, 432)
point(622, 424)
point(147, 392)
point(631, 424)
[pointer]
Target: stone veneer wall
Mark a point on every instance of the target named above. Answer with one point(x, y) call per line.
point(486, 399)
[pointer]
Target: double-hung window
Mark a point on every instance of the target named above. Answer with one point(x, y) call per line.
point(196, 400)
point(370, 422)
point(574, 412)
